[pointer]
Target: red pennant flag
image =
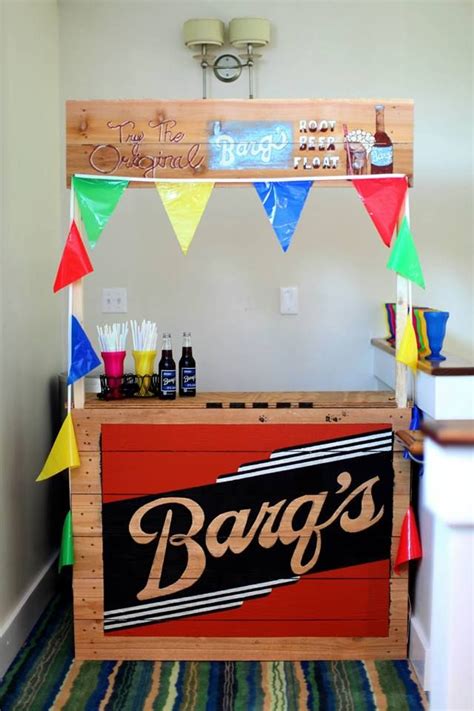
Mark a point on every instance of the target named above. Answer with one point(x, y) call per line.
point(75, 262)
point(383, 199)
point(409, 547)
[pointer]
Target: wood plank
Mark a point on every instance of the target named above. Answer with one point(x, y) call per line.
point(304, 399)
point(88, 422)
point(90, 643)
point(250, 440)
point(87, 120)
point(88, 557)
point(189, 469)
point(266, 628)
point(87, 517)
point(86, 478)
point(88, 601)
point(184, 162)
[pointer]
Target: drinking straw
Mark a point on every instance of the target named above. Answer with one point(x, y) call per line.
point(113, 338)
point(144, 335)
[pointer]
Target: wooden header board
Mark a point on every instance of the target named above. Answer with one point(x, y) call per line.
point(238, 138)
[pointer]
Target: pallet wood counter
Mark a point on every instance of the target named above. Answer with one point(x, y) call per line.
point(240, 526)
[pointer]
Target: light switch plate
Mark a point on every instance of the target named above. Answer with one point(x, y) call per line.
point(288, 300)
point(114, 300)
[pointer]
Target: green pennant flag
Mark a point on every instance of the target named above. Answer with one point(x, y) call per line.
point(404, 257)
point(66, 554)
point(97, 200)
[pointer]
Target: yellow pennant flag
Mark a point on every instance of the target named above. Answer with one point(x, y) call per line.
point(64, 454)
point(184, 204)
point(408, 349)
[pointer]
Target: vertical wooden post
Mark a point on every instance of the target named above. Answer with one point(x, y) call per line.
point(401, 370)
point(78, 311)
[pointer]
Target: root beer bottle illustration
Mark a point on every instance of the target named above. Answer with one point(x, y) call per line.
point(167, 371)
point(381, 155)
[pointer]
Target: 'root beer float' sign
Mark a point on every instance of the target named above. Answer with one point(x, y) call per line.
point(260, 543)
point(230, 139)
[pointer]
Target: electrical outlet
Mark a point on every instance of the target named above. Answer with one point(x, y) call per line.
point(288, 300)
point(114, 301)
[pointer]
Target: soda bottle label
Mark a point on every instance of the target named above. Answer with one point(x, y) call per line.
point(381, 155)
point(188, 380)
point(168, 381)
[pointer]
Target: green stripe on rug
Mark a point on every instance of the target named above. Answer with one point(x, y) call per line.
point(392, 686)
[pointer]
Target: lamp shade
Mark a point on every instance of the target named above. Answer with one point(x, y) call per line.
point(203, 31)
point(249, 30)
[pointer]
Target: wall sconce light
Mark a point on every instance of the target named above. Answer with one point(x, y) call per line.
point(244, 33)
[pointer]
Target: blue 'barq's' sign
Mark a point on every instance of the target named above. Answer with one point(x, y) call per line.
point(241, 145)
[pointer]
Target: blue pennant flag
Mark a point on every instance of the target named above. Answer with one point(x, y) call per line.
point(283, 202)
point(83, 357)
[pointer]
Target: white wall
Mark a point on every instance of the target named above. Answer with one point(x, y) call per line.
point(31, 338)
point(226, 290)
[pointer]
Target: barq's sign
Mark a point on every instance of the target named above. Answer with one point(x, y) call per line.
point(229, 139)
point(307, 509)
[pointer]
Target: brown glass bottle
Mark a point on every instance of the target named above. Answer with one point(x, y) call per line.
point(167, 371)
point(381, 155)
point(187, 369)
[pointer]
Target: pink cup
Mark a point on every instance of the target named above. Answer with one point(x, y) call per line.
point(113, 367)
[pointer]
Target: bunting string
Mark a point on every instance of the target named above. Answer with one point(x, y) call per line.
point(312, 178)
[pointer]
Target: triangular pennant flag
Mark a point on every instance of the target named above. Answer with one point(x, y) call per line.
point(66, 552)
point(184, 204)
point(97, 200)
point(404, 257)
point(383, 199)
point(408, 350)
point(83, 357)
point(75, 262)
point(64, 454)
point(283, 202)
point(409, 546)
point(415, 424)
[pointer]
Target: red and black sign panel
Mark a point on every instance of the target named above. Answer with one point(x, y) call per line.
point(241, 530)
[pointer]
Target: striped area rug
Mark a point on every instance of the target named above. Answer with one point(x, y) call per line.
point(45, 676)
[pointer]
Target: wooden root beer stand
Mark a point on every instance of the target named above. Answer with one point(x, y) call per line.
point(251, 526)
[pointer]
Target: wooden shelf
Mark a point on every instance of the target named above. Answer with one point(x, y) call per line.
point(254, 400)
point(450, 432)
point(453, 365)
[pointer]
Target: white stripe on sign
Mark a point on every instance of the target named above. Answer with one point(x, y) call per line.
point(302, 465)
point(225, 591)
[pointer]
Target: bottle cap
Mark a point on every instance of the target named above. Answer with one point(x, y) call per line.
point(379, 107)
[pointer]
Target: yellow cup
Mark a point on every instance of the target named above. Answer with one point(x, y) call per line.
point(144, 367)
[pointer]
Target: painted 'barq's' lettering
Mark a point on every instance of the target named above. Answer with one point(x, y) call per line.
point(245, 529)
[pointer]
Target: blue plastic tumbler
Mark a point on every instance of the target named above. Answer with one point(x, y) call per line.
point(436, 330)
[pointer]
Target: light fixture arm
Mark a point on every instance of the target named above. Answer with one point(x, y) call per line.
point(250, 68)
point(204, 65)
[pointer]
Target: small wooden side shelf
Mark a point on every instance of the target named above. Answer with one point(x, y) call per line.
point(443, 390)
